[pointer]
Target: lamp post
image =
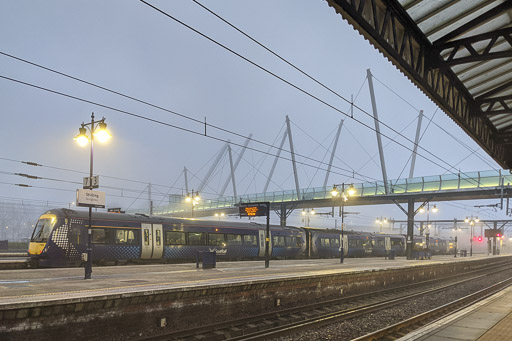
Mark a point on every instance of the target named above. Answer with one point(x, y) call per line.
point(307, 216)
point(381, 221)
point(455, 229)
point(193, 198)
point(351, 190)
point(97, 129)
point(471, 221)
point(434, 209)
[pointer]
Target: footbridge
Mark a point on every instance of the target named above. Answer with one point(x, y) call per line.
point(494, 184)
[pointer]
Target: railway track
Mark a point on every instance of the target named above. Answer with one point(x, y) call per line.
point(400, 329)
point(293, 320)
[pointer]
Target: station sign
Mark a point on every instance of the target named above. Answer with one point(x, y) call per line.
point(253, 210)
point(91, 182)
point(90, 198)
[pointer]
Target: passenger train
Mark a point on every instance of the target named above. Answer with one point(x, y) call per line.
point(60, 239)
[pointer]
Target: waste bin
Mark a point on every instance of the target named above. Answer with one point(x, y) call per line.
point(208, 258)
point(463, 253)
point(391, 255)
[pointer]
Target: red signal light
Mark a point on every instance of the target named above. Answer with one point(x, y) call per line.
point(480, 238)
point(498, 234)
point(474, 238)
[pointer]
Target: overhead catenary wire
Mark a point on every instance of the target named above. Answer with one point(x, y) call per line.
point(190, 131)
point(153, 121)
point(287, 82)
point(132, 98)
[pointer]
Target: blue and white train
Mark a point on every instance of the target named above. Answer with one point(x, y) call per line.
point(60, 238)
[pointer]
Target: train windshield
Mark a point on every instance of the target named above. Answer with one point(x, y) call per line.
point(42, 230)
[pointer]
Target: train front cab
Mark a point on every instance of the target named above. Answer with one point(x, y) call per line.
point(54, 241)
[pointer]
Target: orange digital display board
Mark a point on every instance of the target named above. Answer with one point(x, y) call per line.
point(252, 210)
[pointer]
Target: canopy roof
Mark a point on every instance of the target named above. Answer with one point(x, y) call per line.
point(459, 52)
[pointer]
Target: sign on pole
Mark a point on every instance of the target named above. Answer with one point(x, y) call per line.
point(90, 198)
point(258, 209)
point(253, 210)
point(91, 182)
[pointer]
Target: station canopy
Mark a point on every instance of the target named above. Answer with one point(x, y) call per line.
point(459, 52)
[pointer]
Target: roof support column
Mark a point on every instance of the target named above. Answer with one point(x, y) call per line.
point(293, 157)
point(242, 151)
point(416, 141)
point(282, 217)
point(377, 130)
point(232, 171)
point(332, 153)
point(186, 179)
point(410, 229)
point(212, 168)
point(275, 161)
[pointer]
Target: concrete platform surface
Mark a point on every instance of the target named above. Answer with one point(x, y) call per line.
point(39, 285)
point(488, 320)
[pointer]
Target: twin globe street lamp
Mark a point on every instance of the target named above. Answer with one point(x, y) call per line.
point(471, 221)
point(193, 198)
point(98, 130)
point(350, 191)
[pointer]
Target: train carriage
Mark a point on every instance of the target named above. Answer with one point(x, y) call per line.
point(60, 239)
point(383, 244)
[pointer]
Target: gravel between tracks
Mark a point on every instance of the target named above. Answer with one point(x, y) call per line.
point(353, 328)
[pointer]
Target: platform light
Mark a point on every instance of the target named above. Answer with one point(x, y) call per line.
point(334, 191)
point(351, 190)
point(435, 209)
point(466, 220)
point(101, 133)
point(422, 209)
point(303, 212)
point(313, 211)
point(82, 138)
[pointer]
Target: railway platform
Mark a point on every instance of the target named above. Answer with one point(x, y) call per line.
point(142, 299)
point(488, 320)
point(34, 285)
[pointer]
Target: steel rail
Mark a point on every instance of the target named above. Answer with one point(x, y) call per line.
point(280, 315)
point(436, 313)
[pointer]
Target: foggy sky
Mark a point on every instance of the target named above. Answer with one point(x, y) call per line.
point(130, 48)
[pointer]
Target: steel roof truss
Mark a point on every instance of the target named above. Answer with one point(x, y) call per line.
point(474, 55)
point(400, 39)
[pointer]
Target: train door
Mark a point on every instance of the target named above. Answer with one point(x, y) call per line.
point(345, 244)
point(152, 241)
point(158, 245)
point(387, 243)
point(262, 243)
point(147, 241)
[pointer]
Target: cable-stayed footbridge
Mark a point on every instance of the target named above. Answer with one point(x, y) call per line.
point(448, 187)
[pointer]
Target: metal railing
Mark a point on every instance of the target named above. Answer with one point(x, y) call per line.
point(446, 182)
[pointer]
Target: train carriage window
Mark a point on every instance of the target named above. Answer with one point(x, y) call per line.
point(250, 240)
point(146, 237)
point(125, 237)
point(352, 243)
point(158, 237)
point(196, 238)
point(278, 241)
point(42, 230)
point(98, 236)
point(216, 239)
point(325, 242)
point(234, 239)
point(335, 242)
point(175, 238)
point(291, 241)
